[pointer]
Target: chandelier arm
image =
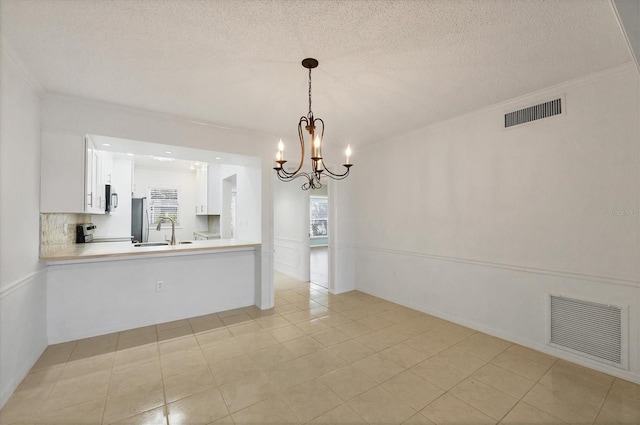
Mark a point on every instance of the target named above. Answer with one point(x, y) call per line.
point(300, 135)
point(311, 184)
point(282, 174)
point(335, 176)
point(312, 181)
point(288, 176)
point(292, 176)
point(321, 133)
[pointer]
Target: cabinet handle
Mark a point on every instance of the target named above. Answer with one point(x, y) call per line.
point(90, 195)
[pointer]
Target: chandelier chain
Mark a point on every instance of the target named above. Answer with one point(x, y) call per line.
point(310, 91)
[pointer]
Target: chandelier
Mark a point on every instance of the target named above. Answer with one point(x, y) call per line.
point(318, 167)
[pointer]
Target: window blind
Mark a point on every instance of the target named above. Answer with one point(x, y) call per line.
point(163, 202)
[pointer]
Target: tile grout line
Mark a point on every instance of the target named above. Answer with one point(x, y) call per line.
point(209, 367)
point(497, 389)
point(604, 400)
point(165, 406)
point(230, 414)
point(53, 387)
point(532, 387)
point(104, 407)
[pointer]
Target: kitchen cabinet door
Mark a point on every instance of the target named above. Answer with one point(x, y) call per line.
point(201, 191)
point(214, 190)
point(106, 167)
point(62, 178)
point(94, 188)
point(208, 190)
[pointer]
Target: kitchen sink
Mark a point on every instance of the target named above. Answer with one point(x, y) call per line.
point(160, 243)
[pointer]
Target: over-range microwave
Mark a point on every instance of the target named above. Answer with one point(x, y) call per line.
point(111, 199)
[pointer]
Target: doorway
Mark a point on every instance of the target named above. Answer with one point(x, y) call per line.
point(319, 237)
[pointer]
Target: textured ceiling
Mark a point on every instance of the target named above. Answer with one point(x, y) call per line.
point(386, 67)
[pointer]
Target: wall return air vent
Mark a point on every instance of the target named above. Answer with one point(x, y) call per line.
point(589, 329)
point(533, 113)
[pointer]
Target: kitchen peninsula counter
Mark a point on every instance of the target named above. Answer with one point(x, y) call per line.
point(103, 287)
point(106, 251)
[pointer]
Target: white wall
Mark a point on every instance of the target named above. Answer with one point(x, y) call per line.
point(248, 226)
point(477, 223)
point(185, 181)
point(117, 224)
point(22, 290)
point(342, 234)
point(291, 229)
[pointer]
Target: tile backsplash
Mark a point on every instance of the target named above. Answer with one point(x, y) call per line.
point(59, 230)
point(213, 223)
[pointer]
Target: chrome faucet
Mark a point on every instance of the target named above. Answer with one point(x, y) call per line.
point(173, 228)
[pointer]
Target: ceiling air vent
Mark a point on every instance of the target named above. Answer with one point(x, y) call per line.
point(532, 113)
point(589, 329)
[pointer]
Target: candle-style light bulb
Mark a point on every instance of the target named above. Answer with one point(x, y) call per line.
point(279, 156)
point(348, 152)
point(280, 151)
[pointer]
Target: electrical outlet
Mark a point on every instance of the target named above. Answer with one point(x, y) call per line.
point(160, 285)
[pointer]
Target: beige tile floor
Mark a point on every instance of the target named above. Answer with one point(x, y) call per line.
point(315, 358)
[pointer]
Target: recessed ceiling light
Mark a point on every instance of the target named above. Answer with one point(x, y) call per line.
point(106, 144)
point(162, 158)
point(169, 152)
point(217, 157)
point(129, 154)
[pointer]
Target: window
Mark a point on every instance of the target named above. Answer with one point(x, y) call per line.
point(319, 214)
point(163, 202)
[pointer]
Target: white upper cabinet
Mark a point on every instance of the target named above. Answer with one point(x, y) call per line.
point(201, 190)
point(62, 178)
point(70, 180)
point(208, 200)
point(105, 160)
point(95, 201)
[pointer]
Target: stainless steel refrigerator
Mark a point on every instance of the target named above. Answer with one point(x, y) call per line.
point(139, 220)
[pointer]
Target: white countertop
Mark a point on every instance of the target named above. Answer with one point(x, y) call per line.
point(127, 250)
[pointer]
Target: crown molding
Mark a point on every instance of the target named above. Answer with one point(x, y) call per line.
point(625, 34)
